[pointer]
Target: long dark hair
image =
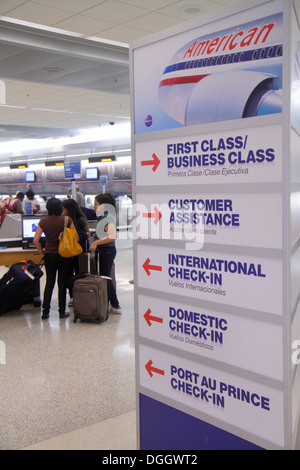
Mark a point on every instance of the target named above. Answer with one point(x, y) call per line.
point(106, 198)
point(74, 210)
point(54, 206)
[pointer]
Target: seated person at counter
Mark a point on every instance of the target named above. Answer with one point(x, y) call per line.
point(14, 205)
point(2, 210)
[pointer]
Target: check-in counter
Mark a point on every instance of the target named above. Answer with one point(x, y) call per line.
point(9, 256)
point(11, 230)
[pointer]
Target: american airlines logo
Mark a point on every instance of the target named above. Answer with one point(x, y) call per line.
point(230, 42)
point(230, 74)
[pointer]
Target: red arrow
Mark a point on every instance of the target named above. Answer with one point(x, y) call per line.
point(151, 369)
point(156, 215)
point(147, 267)
point(155, 162)
point(149, 318)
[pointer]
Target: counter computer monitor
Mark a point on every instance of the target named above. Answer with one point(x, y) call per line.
point(29, 225)
point(92, 173)
point(72, 170)
point(30, 176)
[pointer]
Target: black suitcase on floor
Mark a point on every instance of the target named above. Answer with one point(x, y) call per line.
point(33, 294)
point(19, 286)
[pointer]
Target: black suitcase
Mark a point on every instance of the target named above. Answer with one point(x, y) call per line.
point(20, 285)
point(33, 294)
point(90, 297)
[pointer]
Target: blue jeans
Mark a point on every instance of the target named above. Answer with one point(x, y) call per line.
point(107, 255)
point(54, 263)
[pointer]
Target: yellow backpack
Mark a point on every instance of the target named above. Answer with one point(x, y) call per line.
point(68, 244)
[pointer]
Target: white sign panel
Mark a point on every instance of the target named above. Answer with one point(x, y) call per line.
point(250, 155)
point(208, 333)
point(244, 219)
point(250, 406)
point(243, 281)
point(208, 187)
point(222, 71)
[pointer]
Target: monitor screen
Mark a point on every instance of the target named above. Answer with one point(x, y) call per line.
point(72, 170)
point(30, 176)
point(29, 226)
point(92, 173)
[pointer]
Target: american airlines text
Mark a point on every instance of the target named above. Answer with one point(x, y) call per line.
point(231, 74)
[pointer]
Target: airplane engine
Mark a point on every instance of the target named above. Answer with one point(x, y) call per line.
point(232, 95)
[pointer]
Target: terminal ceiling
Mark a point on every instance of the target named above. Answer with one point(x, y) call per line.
point(66, 64)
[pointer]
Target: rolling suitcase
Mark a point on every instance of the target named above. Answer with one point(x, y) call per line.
point(87, 264)
point(20, 285)
point(90, 299)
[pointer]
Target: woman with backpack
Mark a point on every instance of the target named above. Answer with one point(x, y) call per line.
point(71, 209)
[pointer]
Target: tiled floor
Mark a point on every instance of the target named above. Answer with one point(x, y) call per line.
point(69, 386)
point(66, 385)
point(116, 433)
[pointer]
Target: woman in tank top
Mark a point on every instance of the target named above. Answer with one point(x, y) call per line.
point(104, 242)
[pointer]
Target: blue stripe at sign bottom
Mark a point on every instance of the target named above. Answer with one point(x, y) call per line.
point(165, 428)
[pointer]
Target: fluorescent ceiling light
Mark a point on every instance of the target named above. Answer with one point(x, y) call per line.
point(118, 131)
point(12, 106)
point(89, 154)
point(49, 110)
point(28, 24)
